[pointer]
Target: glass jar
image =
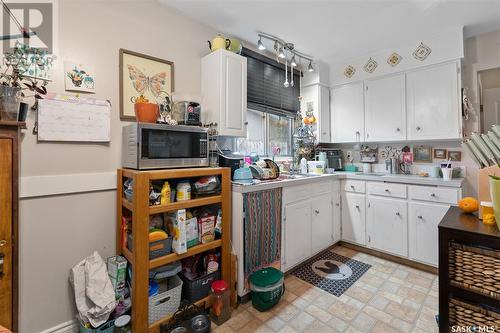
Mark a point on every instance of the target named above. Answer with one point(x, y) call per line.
point(122, 324)
point(220, 311)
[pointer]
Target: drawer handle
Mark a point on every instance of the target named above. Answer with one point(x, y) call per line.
point(433, 195)
point(387, 190)
point(420, 217)
point(3, 242)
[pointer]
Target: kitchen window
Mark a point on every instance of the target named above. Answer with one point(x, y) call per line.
point(265, 133)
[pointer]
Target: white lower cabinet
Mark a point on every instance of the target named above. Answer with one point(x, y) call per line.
point(353, 218)
point(311, 223)
point(297, 232)
point(387, 225)
point(423, 231)
point(337, 228)
point(321, 222)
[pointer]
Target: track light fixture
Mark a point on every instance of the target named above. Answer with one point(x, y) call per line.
point(310, 68)
point(281, 47)
point(260, 45)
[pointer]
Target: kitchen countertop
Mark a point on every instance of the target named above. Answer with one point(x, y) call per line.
point(388, 178)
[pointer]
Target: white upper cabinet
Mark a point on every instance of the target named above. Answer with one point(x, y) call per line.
point(347, 111)
point(385, 109)
point(433, 103)
point(224, 90)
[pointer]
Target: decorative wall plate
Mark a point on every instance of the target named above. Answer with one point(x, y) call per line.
point(370, 66)
point(422, 52)
point(349, 71)
point(394, 59)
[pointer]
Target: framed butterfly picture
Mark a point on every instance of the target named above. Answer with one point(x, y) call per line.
point(143, 76)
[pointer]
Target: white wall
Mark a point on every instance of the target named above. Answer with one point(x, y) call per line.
point(481, 52)
point(59, 230)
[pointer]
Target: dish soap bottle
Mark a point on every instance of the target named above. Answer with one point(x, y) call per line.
point(165, 194)
point(303, 165)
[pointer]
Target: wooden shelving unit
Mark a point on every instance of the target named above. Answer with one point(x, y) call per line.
point(140, 210)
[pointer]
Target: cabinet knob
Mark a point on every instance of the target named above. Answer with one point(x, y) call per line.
point(352, 186)
point(245, 123)
point(357, 206)
point(337, 204)
point(398, 129)
point(420, 217)
point(397, 214)
point(387, 190)
point(316, 211)
point(433, 195)
point(418, 128)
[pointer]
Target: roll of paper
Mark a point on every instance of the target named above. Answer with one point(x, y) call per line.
point(492, 146)
point(476, 138)
point(471, 153)
point(494, 139)
point(476, 151)
point(496, 130)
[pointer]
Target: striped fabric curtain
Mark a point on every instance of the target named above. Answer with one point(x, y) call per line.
point(262, 229)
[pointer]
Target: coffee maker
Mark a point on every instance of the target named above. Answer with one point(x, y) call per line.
point(334, 158)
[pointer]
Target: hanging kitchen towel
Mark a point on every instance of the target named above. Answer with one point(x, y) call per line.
point(262, 229)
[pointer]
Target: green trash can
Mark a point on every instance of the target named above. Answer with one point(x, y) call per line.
point(267, 288)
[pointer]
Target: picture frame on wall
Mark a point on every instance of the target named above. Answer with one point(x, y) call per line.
point(455, 156)
point(422, 154)
point(143, 76)
point(440, 154)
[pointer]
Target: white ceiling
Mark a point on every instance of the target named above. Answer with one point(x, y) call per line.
point(335, 30)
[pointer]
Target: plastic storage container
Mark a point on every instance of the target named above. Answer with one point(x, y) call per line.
point(196, 289)
point(267, 288)
point(166, 247)
point(220, 311)
point(166, 303)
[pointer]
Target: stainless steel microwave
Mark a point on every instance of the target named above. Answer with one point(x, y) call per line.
point(158, 146)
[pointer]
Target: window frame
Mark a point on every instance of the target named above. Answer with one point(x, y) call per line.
point(267, 148)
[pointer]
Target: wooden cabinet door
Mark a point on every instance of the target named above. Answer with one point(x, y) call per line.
point(297, 233)
point(347, 109)
point(234, 91)
point(387, 225)
point(433, 103)
point(353, 218)
point(423, 231)
point(6, 275)
point(385, 109)
point(321, 222)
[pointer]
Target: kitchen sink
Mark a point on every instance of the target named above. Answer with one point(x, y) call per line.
point(378, 174)
point(296, 176)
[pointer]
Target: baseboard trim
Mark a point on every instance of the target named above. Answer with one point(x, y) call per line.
point(383, 255)
point(67, 327)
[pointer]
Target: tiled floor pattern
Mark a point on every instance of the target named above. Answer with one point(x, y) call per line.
point(388, 298)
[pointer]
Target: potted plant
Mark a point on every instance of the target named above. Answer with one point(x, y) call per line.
point(24, 69)
point(495, 196)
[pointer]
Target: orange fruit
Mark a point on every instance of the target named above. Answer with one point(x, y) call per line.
point(468, 205)
point(306, 120)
